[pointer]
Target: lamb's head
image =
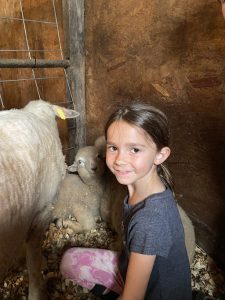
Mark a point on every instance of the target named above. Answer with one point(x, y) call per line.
point(89, 163)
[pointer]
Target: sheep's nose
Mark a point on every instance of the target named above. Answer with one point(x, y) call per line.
point(93, 168)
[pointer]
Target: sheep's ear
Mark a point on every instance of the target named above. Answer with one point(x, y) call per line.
point(64, 113)
point(72, 168)
point(100, 144)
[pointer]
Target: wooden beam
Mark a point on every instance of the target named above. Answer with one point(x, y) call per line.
point(76, 71)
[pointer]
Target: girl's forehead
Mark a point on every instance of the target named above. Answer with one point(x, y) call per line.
point(125, 131)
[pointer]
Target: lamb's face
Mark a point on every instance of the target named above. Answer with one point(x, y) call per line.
point(89, 163)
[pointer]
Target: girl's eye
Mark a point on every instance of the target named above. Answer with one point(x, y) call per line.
point(135, 150)
point(111, 148)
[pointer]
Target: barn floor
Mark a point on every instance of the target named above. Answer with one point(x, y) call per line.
point(206, 277)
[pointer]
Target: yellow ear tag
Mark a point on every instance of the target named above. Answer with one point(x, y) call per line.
point(60, 113)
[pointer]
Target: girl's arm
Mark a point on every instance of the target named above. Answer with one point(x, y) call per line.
point(137, 278)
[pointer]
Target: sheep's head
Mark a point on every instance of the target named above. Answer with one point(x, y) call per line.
point(47, 111)
point(89, 163)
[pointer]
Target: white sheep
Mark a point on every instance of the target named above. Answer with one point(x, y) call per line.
point(80, 194)
point(32, 167)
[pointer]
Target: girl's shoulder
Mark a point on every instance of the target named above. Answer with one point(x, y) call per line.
point(161, 206)
point(164, 198)
point(156, 207)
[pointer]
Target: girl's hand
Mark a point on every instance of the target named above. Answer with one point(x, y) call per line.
point(137, 278)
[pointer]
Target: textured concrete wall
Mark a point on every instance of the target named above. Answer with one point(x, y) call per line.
point(171, 54)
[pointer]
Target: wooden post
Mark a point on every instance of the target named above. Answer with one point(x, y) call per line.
point(76, 71)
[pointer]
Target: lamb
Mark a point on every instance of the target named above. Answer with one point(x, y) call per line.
point(80, 194)
point(32, 167)
point(189, 233)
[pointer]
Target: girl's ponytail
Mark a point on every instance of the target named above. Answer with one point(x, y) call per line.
point(166, 177)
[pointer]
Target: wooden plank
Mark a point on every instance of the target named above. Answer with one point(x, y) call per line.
point(76, 71)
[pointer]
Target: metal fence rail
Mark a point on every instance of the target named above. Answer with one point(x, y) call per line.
point(33, 63)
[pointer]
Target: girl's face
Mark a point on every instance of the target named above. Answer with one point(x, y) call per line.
point(131, 155)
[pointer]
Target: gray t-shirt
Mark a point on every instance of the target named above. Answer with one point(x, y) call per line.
point(154, 227)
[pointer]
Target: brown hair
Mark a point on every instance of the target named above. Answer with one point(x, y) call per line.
point(155, 124)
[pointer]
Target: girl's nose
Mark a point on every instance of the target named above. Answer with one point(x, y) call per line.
point(120, 159)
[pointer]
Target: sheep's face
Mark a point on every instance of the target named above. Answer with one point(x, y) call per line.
point(89, 163)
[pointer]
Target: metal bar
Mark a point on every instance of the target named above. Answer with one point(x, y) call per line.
point(33, 63)
point(30, 50)
point(38, 78)
point(26, 20)
point(28, 47)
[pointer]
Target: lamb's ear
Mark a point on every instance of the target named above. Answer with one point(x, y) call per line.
point(72, 168)
point(64, 113)
point(100, 144)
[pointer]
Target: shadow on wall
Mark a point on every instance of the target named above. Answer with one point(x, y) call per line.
point(212, 132)
point(217, 154)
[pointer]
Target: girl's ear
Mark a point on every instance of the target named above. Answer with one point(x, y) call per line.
point(162, 155)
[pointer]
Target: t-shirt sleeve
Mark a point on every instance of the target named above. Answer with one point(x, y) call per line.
point(149, 235)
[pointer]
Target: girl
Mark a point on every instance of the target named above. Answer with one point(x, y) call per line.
point(153, 264)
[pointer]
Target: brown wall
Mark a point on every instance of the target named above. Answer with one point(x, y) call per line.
point(171, 54)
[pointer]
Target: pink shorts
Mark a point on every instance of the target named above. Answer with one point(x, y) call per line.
point(90, 266)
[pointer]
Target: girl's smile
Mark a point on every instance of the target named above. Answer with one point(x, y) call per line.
point(121, 173)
